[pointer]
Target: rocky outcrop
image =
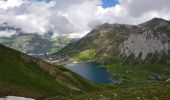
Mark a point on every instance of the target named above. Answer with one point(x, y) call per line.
point(145, 43)
point(148, 42)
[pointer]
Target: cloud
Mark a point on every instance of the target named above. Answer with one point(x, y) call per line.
point(139, 7)
point(7, 33)
point(135, 11)
point(78, 16)
point(61, 17)
point(10, 3)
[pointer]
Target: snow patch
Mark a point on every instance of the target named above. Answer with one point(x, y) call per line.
point(15, 98)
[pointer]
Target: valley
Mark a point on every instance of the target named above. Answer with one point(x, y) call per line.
point(22, 75)
point(32, 43)
point(135, 58)
point(84, 50)
point(113, 43)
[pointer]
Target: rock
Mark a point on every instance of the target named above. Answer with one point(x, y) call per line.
point(158, 78)
point(117, 81)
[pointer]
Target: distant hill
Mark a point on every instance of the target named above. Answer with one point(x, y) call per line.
point(31, 43)
point(137, 56)
point(112, 43)
point(22, 75)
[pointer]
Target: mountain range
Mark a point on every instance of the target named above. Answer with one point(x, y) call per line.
point(136, 56)
point(148, 42)
point(32, 43)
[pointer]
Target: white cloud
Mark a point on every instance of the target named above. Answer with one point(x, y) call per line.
point(7, 33)
point(78, 35)
point(78, 16)
point(10, 3)
point(135, 11)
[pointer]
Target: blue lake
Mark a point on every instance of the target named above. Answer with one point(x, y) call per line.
point(91, 71)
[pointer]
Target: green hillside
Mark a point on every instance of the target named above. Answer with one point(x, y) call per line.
point(132, 54)
point(137, 56)
point(22, 75)
point(35, 44)
point(113, 43)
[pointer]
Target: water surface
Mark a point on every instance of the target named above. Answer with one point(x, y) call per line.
point(91, 71)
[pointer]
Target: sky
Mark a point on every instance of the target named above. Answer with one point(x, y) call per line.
point(109, 3)
point(77, 17)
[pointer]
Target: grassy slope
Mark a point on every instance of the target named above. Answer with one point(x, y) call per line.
point(22, 75)
point(138, 72)
point(104, 42)
point(135, 83)
point(131, 91)
point(133, 75)
point(34, 44)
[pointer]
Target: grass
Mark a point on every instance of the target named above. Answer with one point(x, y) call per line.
point(130, 91)
point(34, 44)
point(134, 83)
point(85, 56)
point(138, 72)
point(29, 77)
point(21, 75)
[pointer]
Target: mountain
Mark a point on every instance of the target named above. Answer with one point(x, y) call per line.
point(22, 75)
point(30, 43)
point(137, 56)
point(112, 43)
point(33, 44)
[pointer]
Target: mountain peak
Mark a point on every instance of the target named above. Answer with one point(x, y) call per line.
point(157, 19)
point(145, 43)
point(103, 26)
point(155, 22)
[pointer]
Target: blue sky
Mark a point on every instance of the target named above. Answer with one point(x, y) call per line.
point(109, 3)
point(106, 3)
point(78, 16)
point(45, 0)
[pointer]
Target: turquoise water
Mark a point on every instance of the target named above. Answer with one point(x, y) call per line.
point(91, 71)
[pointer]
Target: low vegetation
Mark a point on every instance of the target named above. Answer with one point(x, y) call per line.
point(22, 75)
point(85, 56)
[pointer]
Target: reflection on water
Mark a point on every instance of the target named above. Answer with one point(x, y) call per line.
point(91, 71)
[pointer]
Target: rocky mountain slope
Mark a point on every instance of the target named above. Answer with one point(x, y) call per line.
point(111, 43)
point(22, 75)
point(30, 43)
point(116, 46)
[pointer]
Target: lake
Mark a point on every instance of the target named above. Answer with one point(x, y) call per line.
point(91, 71)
